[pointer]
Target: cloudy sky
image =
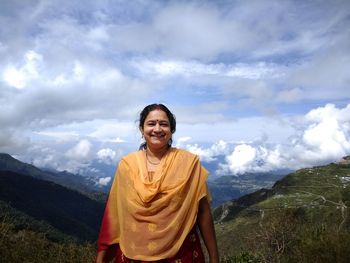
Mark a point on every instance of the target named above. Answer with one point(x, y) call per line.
point(263, 83)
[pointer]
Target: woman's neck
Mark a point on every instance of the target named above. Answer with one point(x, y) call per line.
point(157, 153)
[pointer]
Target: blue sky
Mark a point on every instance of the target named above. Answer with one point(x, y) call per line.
point(263, 83)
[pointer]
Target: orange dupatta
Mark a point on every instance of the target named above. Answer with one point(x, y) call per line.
point(151, 219)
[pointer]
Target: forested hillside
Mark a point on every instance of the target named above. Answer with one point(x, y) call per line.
point(41, 221)
point(66, 210)
point(303, 218)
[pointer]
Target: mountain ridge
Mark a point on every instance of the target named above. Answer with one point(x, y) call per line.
point(64, 178)
point(303, 217)
point(65, 209)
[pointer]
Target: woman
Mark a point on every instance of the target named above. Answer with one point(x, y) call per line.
point(158, 197)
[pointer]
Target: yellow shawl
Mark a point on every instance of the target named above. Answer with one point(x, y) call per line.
point(151, 219)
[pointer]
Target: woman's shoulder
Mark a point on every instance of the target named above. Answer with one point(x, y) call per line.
point(185, 153)
point(128, 161)
point(132, 156)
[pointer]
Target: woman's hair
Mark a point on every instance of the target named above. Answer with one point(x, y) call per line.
point(144, 113)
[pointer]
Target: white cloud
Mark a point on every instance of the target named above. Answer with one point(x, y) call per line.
point(79, 91)
point(19, 77)
point(12, 140)
point(324, 137)
point(109, 156)
point(254, 158)
point(290, 95)
point(46, 161)
point(106, 153)
point(180, 141)
point(80, 151)
point(115, 131)
point(328, 133)
point(43, 156)
point(195, 68)
point(242, 156)
point(210, 129)
point(117, 140)
point(325, 77)
point(205, 154)
point(14, 77)
point(104, 181)
point(74, 167)
point(60, 135)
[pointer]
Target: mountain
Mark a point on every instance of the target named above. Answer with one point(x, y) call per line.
point(302, 218)
point(222, 188)
point(73, 181)
point(213, 166)
point(47, 216)
point(21, 221)
point(228, 187)
point(66, 210)
point(8, 163)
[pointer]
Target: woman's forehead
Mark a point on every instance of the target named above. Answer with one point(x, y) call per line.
point(157, 115)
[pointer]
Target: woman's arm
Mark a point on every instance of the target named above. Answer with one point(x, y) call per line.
point(100, 256)
point(206, 227)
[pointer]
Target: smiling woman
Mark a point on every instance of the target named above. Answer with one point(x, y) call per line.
point(158, 198)
point(157, 124)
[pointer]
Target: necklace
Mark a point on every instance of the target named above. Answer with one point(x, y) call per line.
point(148, 160)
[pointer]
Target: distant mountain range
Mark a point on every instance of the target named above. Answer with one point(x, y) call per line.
point(73, 181)
point(228, 187)
point(222, 188)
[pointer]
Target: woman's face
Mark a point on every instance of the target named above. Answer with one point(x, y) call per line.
point(156, 130)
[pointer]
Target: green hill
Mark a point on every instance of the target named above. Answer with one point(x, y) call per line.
point(26, 245)
point(302, 218)
point(21, 221)
point(41, 221)
point(68, 211)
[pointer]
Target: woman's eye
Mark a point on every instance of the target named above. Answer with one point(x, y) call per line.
point(164, 124)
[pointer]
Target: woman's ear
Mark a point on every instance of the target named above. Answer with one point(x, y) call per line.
point(141, 130)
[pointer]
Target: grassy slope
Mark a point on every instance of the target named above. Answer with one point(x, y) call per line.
point(305, 211)
point(32, 247)
point(25, 239)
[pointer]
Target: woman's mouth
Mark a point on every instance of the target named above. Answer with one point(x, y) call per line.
point(158, 136)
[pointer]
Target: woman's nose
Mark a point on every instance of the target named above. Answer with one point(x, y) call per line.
point(157, 128)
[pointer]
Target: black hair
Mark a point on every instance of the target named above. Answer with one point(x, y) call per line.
point(155, 106)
